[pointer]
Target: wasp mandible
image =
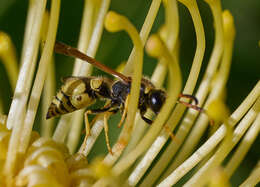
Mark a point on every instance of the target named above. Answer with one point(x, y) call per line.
point(81, 92)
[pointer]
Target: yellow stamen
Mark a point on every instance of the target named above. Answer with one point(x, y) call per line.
point(115, 22)
point(144, 33)
point(100, 169)
point(218, 178)
point(188, 89)
point(8, 58)
point(202, 122)
point(159, 73)
point(174, 89)
point(49, 87)
point(217, 111)
point(40, 75)
point(18, 106)
point(91, 12)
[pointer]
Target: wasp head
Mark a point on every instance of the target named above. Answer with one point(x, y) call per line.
point(156, 99)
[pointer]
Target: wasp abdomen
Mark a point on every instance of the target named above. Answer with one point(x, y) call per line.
point(60, 105)
point(73, 95)
point(77, 93)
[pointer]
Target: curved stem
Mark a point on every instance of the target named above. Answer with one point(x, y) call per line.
point(212, 141)
point(8, 58)
point(134, 92)
point(144, 33)
point(172, 29)
point(175, 76)
point(221, 78)
point(188, 89)
point(243, 148)
point(157, 78)
point(227, 145)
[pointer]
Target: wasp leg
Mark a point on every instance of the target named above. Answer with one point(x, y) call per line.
point(94, 111)
point(112, 111)
point(106, 133)
point(107, 108)
point(87, 125)
point(124, 112)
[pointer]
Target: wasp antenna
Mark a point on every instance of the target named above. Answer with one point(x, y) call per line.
point(195, 107)
point(193, 98)
point(199, 109)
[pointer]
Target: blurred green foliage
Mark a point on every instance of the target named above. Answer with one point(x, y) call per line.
point(115, 48)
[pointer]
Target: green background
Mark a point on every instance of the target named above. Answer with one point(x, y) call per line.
point(115, 48)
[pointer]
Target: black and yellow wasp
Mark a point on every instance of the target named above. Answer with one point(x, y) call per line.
point(80, 92)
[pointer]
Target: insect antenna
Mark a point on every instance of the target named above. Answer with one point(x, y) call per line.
point(67, 50)
point(195, 107)
point(193, 98)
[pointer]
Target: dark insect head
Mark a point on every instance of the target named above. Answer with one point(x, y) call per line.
point(156, 99)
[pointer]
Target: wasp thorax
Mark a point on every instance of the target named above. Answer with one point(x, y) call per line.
point(96, 84)
point(81, 100)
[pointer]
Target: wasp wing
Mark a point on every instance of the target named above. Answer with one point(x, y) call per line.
point(71, 78)
point(73, 52)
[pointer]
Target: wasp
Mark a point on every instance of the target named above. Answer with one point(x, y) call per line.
point(81, 92)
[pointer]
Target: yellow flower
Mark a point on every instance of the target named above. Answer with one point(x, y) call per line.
point(56, 156)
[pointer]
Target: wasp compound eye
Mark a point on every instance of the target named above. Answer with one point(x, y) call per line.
point(156, 99)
